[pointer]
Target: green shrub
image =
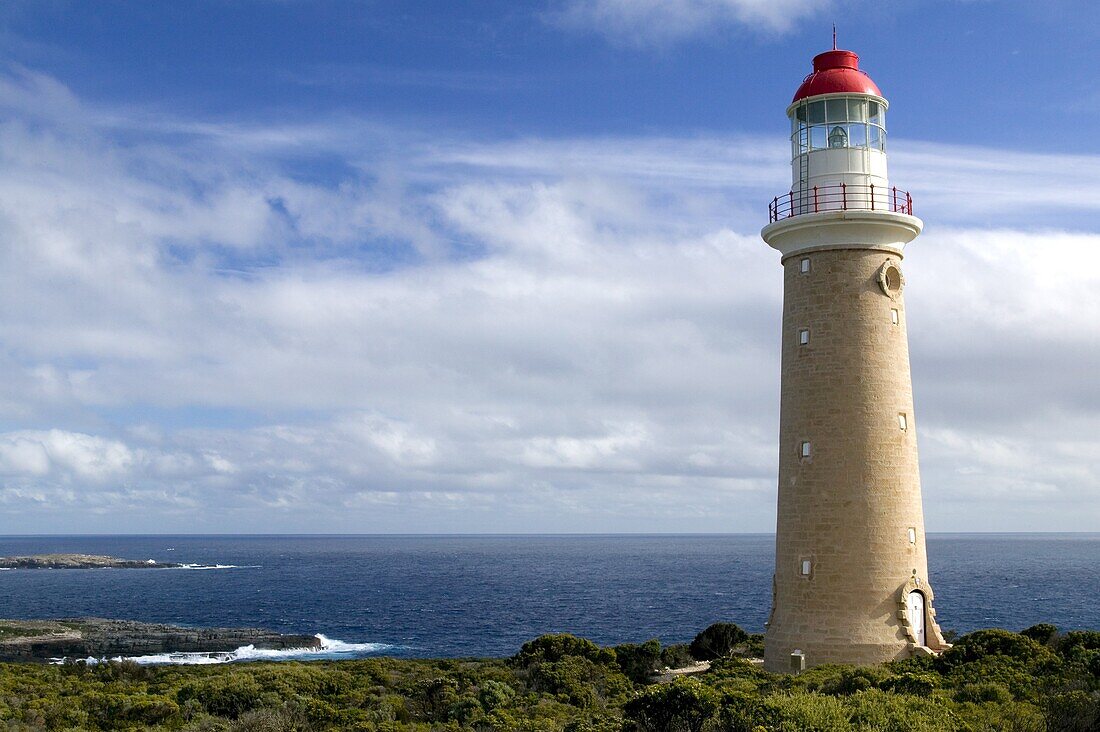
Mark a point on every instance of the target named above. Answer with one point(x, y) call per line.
point(465, 709)
point(716, 641)
point(120, 671)
point(1082, 648)
point(433, 698)
point(1042, 633)
point(638, 661)
point(1024, 684)
point(685, 705)
point(915, 684)
point(725, 669)
point(995, 642)
point(1073, 711)
point(854, 680)
point(493, 694)
point(878, 711)
point(120, 711)
point(1004, 717)
point(1088, 640)
point(580, 681)
point(597, 723)
point(555, 647)
point(837, 680)
point(986, 691)
point(677, 655)
point(753, 646)
point(782, 713)
point(272, 720)
point(223, 696)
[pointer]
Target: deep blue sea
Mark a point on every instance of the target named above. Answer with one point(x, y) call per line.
point(434, 596)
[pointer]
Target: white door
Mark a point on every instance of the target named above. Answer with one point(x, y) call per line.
point(916, 616)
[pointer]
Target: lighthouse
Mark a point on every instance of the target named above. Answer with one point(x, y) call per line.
point(851, 575)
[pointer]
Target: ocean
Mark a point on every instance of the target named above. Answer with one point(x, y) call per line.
point(461, 596)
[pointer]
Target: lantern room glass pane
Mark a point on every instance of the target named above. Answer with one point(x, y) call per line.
point(836, 110)
point(800, 113)
point(877, 138)
point(817, 138)
point(815, 112)
point(857, 135)
point(857, 110)
point(874, 113)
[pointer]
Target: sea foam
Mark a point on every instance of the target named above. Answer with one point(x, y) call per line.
point(330, 648)
point(218, 566)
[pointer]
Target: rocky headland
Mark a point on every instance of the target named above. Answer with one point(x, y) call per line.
point(81, 561)
point(43, 640)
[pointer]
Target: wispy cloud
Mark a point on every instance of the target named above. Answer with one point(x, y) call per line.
point(457, 334)
point(646, 22)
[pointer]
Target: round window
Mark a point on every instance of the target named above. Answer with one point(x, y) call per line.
point(890, 279)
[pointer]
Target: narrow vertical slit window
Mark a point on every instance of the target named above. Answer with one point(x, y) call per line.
point(804, 567)
point(912, 535)
point(895, 318)
point(804, 265)
point(803, 337)
point(903, 422)
point(804, 449)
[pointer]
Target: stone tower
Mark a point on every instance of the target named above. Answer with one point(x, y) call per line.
point(851, 577)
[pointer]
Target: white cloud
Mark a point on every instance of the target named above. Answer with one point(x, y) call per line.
point(660, 21)
point(71, 456)
point(524, 335)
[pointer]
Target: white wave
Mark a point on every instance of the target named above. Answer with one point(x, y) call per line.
point(330, 648)
point(218, 566)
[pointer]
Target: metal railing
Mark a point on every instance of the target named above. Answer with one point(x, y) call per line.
point(840, 197)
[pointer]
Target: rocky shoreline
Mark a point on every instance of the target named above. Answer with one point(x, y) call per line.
point(81, 561)
point(78, 638)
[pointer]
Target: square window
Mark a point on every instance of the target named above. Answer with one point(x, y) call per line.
point(895, 318)
point(805, 566)
point(803, 337)
point(804, 449)
point(912, 535)
point(804, 265)
point(903, 423)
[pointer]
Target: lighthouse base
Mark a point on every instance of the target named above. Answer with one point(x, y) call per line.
point(898, 632)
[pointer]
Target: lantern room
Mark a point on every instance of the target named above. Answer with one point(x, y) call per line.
point(838, 126)
point(834, 122)
point(838, 142)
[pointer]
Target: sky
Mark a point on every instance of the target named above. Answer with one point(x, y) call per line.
point(495, 267)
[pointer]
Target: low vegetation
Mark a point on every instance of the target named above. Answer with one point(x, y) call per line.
point(1035, 681)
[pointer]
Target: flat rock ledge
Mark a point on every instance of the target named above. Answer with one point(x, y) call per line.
point(81, 561)
point(43, 640)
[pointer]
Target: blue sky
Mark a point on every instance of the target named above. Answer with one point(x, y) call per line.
point(978, 72)
point(427, 266)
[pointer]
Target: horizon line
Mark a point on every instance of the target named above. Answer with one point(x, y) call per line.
point(500, 534)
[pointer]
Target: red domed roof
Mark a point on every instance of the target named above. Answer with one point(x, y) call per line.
point(836, 72)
